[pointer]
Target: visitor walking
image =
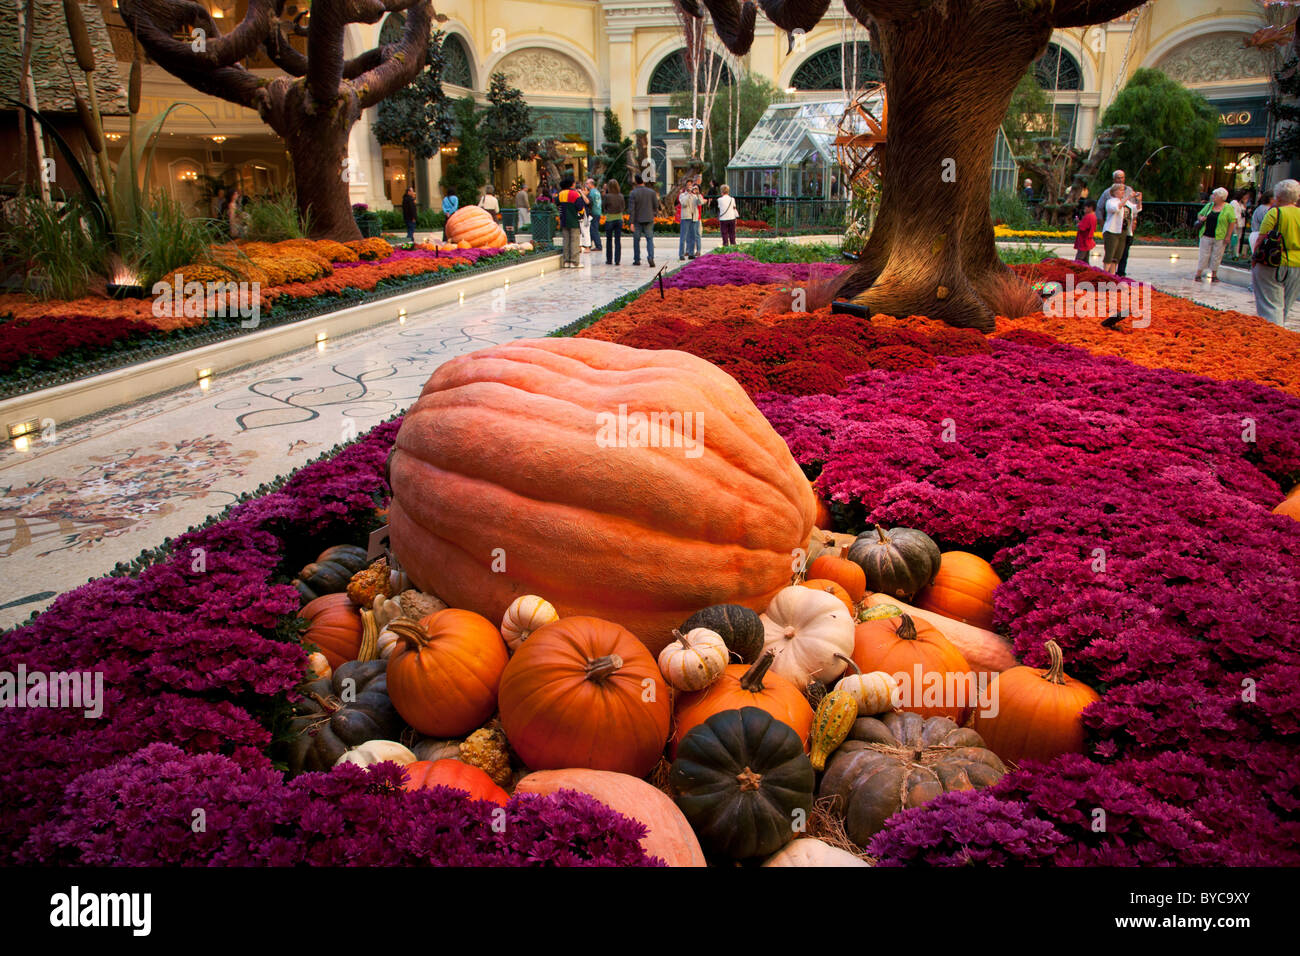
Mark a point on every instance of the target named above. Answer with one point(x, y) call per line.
point(1085, 238)
point(1117, 207)
point(523, 209)
point(572, 206)
point(727, 215)
point(597, 207)
point(1277, 287)
point(688, 244)
point(489, 203)
point(1238, 204)
point(614, 205)
point(1217, 221)
point(450, 203)
point(1266, 202)
point(235, 219)
point(409, 213)
point(218, 204)
point(641, 204)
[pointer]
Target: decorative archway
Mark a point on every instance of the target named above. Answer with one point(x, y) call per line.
point(824, 70)
point(671, 74)
point(1057, 70)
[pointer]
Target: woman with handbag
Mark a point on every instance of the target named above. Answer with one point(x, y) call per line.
point(1275, 274)
point(1217, 221)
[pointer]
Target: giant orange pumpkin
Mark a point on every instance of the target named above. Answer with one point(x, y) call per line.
point(1290, 506)
point(934, 678)
point(963, 589)
point(444, 675)
point(1038, 712)
point(334, 625)
point(582, 692)
point(744, 685)
point(474, 225)
point(512, 475)
point(455, 774)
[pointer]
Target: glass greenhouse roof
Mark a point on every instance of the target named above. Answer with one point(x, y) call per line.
point(790, 133)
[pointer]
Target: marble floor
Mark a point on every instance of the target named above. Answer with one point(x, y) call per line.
point(103, 489)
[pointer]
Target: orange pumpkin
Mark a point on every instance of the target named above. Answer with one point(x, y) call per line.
point(744, 685)
point(475, 227)
point(582, 692)
point(1289, 507)
point(824, 518)
point(963, 589)
point(829, 587)
point(455, 774)
point(511, 476)
point(847, 574)
point(444, 675)
point(1038, 711)
point(334, 626)
point(930, 671)
point(668, 835)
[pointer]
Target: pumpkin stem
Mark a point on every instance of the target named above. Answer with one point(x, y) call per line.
point(327, 704)
point(880, 531)
point(851, 662)
point(411, 632)
point(603, 667)
point(1056, 672)
point(907, 629)
point(749, 780)
point(681, 638)
point(752, 680)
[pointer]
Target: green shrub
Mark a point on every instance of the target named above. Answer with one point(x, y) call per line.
point(271, 220)
point(1024, 255)
point(52, 246)
point(782, 250)
point(168, 237)
point(1009, 207)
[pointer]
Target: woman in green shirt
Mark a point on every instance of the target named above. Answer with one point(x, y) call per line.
point(1218, 220)
point(1277, 288)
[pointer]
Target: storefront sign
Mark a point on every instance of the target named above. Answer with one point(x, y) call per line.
point(1241, 118)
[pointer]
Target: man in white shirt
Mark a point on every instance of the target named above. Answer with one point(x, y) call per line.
point(489, 202)
point(1119, 206)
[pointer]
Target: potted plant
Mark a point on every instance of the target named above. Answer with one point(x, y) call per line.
point(368, 222)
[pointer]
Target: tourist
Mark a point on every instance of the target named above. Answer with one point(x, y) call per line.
point(1135, 201)
point(1085, 238)
point(218, 204)
point(613, 204)
point(233, 215)
point(1079, 208)
point(1238, 204)
point(450, 203)
point(597, 207)
point(572, 208)
point(641, 204)
point(1217, 221)
point(1266, 202)
point(1277, 288)
point(523, 211)
point(1116, 207)
point(409, 213)
point(1028, 191)
point(688, 244)
point(727, 215)
point(489, 202)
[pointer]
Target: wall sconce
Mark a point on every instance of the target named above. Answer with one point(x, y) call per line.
point(188, 176)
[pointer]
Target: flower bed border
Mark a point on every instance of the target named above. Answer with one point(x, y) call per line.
point(155, 345)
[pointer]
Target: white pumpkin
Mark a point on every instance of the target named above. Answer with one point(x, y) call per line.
point(525, 615)
point(808, 851)
point(875, 693)
point(377, 751)
point(806, 629)
point(695, 660)
point(319, 666)
point(387, 609)
point(387, 643)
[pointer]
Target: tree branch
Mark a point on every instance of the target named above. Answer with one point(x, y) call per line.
point(401, 60)
point(329, 19)
point(162, 19)
point(1082, 13)
point(795, 14)
point(732, 20)
point(282, 53)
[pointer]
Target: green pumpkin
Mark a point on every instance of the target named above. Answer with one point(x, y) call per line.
point(325, 726)
point(331, 571)
point(740, 627)
point(744, 783)
point(898, 562)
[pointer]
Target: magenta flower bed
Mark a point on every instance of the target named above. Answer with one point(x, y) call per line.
point(1191, 632)
point(197, 666)
point(736, 268)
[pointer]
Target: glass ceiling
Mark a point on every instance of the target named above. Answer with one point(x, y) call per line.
point(789, 133)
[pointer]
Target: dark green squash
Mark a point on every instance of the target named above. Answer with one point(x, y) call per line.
point(899, 761)
point(744, 783)
point(331, 571)
point(898, 562)
point(741, 628)
point(340, 712)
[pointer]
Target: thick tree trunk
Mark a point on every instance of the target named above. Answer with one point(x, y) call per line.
point(949, 76)
point(317, 141)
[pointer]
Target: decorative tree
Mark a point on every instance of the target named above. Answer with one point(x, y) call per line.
point(466, 176)
point(950, 68)
point(312, 107)
point(1161, 112)
point(417, 117)
point(506, 123)
point(1063, 170)
point(616, 156)
point(1283, 145)
point(1028, 114)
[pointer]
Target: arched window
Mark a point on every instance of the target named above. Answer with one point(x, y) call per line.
point(455, 68)
point(672, 76)
point(1056, 69)
point(824, 70)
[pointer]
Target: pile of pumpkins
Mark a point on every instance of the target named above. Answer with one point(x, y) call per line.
point(759, 714)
